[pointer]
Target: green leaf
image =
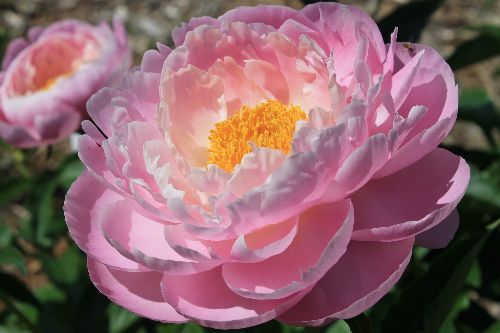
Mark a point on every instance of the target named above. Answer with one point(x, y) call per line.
point(494, 328)
point(410, 19)
point(120, 319)
point(69, 172)
point(485, 185)
point(475, 277)
point(426, 303)
point(12, 256)
point(5, 235)
point(65, 269)
point(50, 220)
point(45, 212)
point(166, 328)
point(359, 324)
point(191, 328)
point(476, 106)
point(339, 326)
point(11, 286)
point(13, 189)
point(461, 304)
point(3, 41)
point(482, 47)
point(50, 293)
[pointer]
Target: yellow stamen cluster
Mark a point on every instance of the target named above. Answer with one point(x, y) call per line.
point(51, 81)
point(270, 124)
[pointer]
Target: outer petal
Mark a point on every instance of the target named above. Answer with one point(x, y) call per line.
point(362, 276)
point(411, 201)
point(55, 126)
point(441, 235)
point(12, 50)
point(138, 292)
point(142, 240)
point(274, 16)
point(84, 203)
point(18, 135)
point(419, 146)
point(206, 299)
point(323, 234)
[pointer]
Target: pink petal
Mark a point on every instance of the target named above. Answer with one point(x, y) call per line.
point(266, 242)
point(191, 105)
point(13, 50)
point(412, 200)
point(441, 235)
point(274, 16)
point(85, 201)
point(19, 135)
point(239, 87)
point(92, 156)
point(267, 76)
point(152, 61)
point(179, 33)
point(254, 170)
point(138, 292)
point(321, 239)
point(359, 167)
point(206, 299)
point(362, 276)
point(341, 27)
point(58, 125)
point(101, 110)
point(142, 240)
point(419, 146)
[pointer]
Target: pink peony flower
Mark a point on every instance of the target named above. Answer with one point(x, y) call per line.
point(276, 164)
point(46, 80)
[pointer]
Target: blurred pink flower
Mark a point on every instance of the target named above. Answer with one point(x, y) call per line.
point(47, 79)
point(277, 164)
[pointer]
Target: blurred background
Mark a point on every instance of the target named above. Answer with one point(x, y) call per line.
point(44, 286)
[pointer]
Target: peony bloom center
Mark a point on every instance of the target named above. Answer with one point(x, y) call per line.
point(270, 124)
point(50, 62)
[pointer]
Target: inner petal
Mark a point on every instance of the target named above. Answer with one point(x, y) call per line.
point(270, 124)
point(51, 61)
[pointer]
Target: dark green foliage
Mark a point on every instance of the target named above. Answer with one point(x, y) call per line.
point(410, 19)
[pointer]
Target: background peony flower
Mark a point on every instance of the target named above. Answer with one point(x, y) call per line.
point(276, 164)
point(46, 80)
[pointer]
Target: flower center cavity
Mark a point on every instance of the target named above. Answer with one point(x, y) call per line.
point(270, 124)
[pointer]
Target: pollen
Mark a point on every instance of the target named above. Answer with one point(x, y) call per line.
point(51, 81)
point(270, 124)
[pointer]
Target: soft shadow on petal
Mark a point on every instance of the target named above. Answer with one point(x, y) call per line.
point(206, 299)
point(321, 240)
point(441, 235)
point(411, 200)
point(85, 201)
point(362, 276)
point(143, 241)
point(138, 292)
